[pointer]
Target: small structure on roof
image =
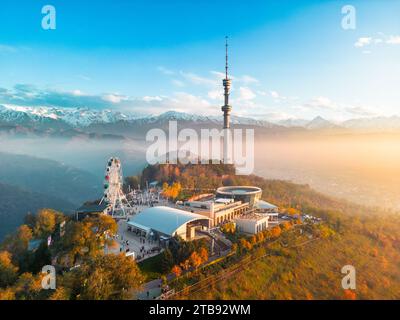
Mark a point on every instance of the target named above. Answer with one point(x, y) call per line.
point(34, 244)
point(89, 210)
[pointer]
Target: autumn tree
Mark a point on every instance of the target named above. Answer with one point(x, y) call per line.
point(106, 277)
point(29, 287)
point(244, 244)
point(61, 293)
point(7, 294)
point(350, 295)
point(203, 253)
point(104, 226)
point(260, 237)
point(275, 232)
point(195, 260)
point(172, 191)
point(185, 265)
point(176, 270)
point(285, 226)
point(229, 227)
point(8, 272)
point(293, 211)
point(17, 243)
point(45, 223)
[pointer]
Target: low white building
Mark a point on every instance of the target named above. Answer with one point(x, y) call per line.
point(252, 223)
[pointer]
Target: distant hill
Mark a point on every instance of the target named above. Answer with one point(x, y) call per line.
point(28, 184)
point(16, 203)
point(49, 177)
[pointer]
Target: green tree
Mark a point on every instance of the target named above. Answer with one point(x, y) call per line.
point(132, 181)
point(167, 260)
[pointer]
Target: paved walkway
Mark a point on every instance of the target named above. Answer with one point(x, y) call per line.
point(151, 290)
point(130, 240)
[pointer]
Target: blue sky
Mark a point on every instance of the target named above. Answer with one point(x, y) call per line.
point(288, 58)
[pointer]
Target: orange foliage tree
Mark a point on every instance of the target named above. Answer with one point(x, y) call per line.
point(176, 270)
point(275, 232)
point(203, 253)
point(195, 259)
point(349, 295)
point(172, 191)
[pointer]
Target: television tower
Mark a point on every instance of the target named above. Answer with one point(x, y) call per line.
point(227, 86)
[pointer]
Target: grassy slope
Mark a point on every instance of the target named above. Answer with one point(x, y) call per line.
point(314, 272)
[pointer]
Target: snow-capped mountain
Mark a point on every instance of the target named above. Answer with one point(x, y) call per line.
point(320, 123)
point(291, 122)
point(84, 117)
point(81, 118)
point(75, 117)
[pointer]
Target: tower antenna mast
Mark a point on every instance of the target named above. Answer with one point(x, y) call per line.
point(226, 57)
point(226, 108)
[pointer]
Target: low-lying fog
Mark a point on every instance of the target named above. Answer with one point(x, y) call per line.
point(363, 168)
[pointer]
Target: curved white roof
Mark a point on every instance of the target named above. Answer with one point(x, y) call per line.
point(165, 219)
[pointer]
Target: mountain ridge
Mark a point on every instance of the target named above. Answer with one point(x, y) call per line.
point(82, 118)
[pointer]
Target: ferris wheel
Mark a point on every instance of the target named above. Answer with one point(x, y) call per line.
point(118, 205)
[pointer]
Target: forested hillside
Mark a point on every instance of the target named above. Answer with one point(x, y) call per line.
point(49, 177)
point(366, 238)
point(16, 203)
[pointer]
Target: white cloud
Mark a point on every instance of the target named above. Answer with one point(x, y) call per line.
point(84, 77)
point(114, 98)
point(247, 79)
point(219, 75)
point(78, 93)
point(199, 80)
point(7, 49)
point(321, 103)
point(246, 93)
point(215, 94)
point(382, 39)
point(150, 99)
point(165, 71)
point(274, 94)
point(364, 41)
point(178, 83)
point(393, 40)
point(361, 111)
